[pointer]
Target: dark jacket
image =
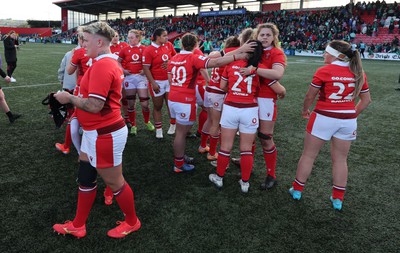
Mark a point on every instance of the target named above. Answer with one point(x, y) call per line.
point(10, 52)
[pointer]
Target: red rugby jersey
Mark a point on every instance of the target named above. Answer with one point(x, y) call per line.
point(271, 56)
point(241, 89)
point(116, 49)
point(184, 68)
point(217, 72)
point(154, 56)
point(132, 58)
point(337, 84)
point(102, 81)
point(82, 62)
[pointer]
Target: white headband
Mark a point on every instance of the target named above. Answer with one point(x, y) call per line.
point(336, 53)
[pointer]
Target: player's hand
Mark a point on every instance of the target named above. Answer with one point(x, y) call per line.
point(164, 66)
point(7, 79)
point(127, 72)
point(305, 114)
point(156, 87)
point(248, 47)
point(63, 97)
point(282, 94)
point(246, 71)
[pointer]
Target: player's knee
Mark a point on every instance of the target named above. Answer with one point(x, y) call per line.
point(87, 174)
point(2, 96)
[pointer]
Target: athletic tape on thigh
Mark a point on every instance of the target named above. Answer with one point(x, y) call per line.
point(264, 136)
point(131, 97)
point(143, 99)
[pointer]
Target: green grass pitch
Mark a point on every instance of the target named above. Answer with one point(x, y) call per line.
point(185, 213)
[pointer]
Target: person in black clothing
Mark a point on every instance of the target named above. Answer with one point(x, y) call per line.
point(3, 103)
point(10, 53)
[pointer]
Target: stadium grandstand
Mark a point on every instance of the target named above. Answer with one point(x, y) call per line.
point(305, 26)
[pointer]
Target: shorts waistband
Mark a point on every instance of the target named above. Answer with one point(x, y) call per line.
point(241, 105)
point(211, 90)
point(337, 115)
point(111, 128)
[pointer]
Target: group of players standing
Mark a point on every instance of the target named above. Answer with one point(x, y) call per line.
point(239, 96)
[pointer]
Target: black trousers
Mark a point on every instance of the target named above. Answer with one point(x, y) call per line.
point(11, 66)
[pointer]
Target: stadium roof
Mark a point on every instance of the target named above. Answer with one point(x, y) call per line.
point(118, 6)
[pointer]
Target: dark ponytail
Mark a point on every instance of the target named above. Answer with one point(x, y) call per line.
point(255, 57)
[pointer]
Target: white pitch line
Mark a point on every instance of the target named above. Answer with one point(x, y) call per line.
point(28, 86)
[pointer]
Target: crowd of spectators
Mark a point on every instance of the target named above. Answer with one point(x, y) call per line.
point(299, 30)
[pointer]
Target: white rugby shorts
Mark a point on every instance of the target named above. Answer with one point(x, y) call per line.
point(324, 127)
point(244, 119)
point(135, 81)
point(104, 151)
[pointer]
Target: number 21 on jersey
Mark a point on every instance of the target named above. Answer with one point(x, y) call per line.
point(248, 80)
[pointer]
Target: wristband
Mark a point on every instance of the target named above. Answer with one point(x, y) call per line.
point(234, 58)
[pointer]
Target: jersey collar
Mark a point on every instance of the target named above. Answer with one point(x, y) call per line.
point(185, 52)
point(155, 45)
point(341, 63)
point(113, 56)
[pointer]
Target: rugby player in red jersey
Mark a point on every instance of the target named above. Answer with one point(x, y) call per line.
point(155, 60)
point(135, 82)
point(334, 117)
point(182, 71)
point(240, 112)
point(270, 72)
point(79, 64)
point(104, 134)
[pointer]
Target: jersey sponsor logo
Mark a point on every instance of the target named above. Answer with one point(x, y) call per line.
point(341, 78)
point(135, 57)
point(203, 58)
point(164, 57)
